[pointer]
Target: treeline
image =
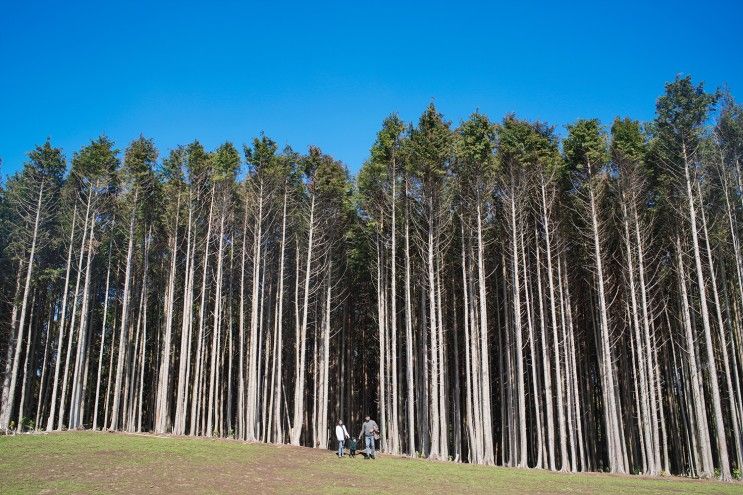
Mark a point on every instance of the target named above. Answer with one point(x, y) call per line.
point(491, 293)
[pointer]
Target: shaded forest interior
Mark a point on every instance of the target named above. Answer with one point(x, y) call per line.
point(490, 292)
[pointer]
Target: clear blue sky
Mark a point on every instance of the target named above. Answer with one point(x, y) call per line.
point(327, 74)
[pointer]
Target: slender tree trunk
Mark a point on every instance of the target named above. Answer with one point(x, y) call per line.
point(30, 341)
point(216, 328)
point(435, 451)
point(556, 352)
point(184, 359)
point(103, 341)
point(700, 415)
point(124, 333)
point(616, 462)
point(162, 406)
point(62, 321)
point(296, 430)
point(486, 420)
point(82, 338)
point(253, 362)
point(723, 340)
point(520, 388)
point(41, 399)
point(393, 436)
point(716, 400)
point(532, 351)
point(409, 336)
point(197, 418)
point(7, 407)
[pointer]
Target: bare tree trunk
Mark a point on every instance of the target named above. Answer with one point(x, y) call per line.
point(574, 369)
point(473, 426)
point(216, 328)
point(7, 408)
point(520, 388)
point(701, 433)
point(62, 321)
point(41, 402)
point(382, 329)
point(393, 436)
point(124, 334)
point(29, 350)
point(723, 340)
point(435, 451)
point(162, 406)
point(716, 401)
point(103, 341)
point(443, 418)
point(66, 374)
point(82, 350)
point(278, 433)
point(253, 362)
point(616, 462)
point(296, 430)
point(556, 351)
point(409, 336)
point(643, 393)
point(184, 359)
point(532, 351)
point(486, 420)
point(197, 390)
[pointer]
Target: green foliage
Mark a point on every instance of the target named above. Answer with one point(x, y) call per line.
point(387, 146)
point(628, 143)
point(172, 168)
point(330, 181)
point(197, 164)
point(476, 141)
point(46, 161)
point(225, 162)
point(730, 128)
point(97, 161)
point(374, 180)
point(41, 178)
point(139, 163)
point(524, 146)
point(141, 182)
point(262, 154)
point(371, 182)
point(585, 147)
point(680, 114)
point(430, 147)
point(475, 150)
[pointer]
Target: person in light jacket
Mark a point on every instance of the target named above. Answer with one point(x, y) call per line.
point(341, 434)
point(369, 430)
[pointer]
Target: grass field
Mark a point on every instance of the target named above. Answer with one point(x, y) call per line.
point(89, 462)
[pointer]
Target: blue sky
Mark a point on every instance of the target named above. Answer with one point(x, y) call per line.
point(328, 73)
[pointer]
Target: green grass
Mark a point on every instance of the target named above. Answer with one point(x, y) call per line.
point(89, 462)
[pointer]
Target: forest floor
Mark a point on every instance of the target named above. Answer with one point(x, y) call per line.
point(90, 462)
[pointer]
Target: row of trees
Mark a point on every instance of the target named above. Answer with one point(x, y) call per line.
point(494, 294)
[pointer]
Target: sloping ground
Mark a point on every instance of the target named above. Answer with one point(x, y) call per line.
point(89, 462)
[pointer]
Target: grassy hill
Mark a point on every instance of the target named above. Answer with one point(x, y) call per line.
point(89, 462)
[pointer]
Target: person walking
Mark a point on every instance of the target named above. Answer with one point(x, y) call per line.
point(341, 434)
point(370, 432)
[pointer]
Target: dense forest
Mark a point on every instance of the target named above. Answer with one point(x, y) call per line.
point(497, 292)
